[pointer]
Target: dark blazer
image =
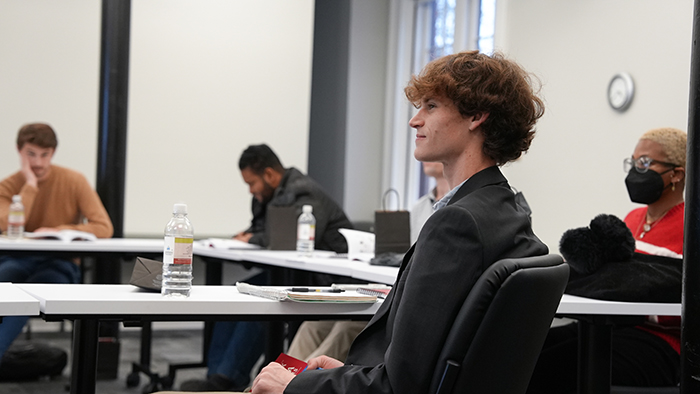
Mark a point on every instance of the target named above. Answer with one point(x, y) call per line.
point(397, 351)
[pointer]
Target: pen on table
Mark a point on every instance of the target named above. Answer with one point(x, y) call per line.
point(308, 290)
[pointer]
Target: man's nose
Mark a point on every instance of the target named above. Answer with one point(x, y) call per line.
point(415, 121)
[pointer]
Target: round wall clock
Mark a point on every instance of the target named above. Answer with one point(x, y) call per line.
point(620, 91)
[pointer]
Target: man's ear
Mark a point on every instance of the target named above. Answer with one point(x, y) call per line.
point(272, 177)
point(268, 175)
point(478, 119)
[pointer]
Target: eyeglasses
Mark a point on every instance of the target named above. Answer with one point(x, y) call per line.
point(643, 163)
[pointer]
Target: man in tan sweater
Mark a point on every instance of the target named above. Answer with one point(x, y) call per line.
point(54, 198)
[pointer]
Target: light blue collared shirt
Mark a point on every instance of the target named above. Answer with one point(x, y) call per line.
point(447, 197)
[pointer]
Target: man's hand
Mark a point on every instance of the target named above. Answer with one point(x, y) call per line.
point(243, 236)
point(26, 169)
point(273, 379)
point(324, 362)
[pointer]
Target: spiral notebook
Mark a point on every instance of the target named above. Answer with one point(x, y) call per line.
point(380, 292)
point(283, 294)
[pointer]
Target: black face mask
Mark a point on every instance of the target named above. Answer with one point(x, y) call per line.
point(645, 188)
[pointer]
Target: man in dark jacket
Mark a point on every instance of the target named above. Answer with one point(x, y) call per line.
point(273, 185)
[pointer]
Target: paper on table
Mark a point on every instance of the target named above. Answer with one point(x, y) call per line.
point(223, 243)
point(281, 294)
point(360, 244)
point(62, 235)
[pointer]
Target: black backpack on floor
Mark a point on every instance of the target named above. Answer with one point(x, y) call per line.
point(28, 360)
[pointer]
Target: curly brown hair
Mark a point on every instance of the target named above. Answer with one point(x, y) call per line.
point(478, 83)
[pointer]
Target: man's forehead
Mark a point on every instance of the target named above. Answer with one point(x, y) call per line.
point(29, 147)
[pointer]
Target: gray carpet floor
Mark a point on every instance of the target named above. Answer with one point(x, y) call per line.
point(172, 343)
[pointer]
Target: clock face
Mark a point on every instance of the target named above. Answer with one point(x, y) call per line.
point(620, 91)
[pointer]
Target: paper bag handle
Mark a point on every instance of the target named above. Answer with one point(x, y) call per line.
point(386, 194)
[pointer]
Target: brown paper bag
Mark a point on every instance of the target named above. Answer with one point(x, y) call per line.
point(392, 229)
point(147, 274)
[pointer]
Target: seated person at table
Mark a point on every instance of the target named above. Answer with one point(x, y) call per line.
point(475, 112)
point(54, 198)
point(236, 346)
point(647, 355)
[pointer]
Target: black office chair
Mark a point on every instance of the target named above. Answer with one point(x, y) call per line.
point(498, 334)
point(644, 390)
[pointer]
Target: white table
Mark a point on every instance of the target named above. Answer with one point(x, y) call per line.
point(573, 305)
point(106, 245)
point(320, 261)
point(15, 302)
point(87, 305)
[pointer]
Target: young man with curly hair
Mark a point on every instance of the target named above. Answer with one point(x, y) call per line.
point(475, 112)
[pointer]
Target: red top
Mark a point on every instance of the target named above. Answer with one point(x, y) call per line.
point(664, 238)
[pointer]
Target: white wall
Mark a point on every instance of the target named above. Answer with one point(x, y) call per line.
point(49, 72)
point(574, 168)
point(207, 78)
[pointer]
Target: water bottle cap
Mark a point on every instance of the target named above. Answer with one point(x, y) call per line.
point(16, 198)
point(307, 209)
point(180, 208)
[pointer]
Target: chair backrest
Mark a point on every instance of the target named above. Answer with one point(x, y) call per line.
point(498, 334)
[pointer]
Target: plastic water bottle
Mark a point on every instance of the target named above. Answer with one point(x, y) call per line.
point(306, 231)
point(15, 220)
point(177, 254)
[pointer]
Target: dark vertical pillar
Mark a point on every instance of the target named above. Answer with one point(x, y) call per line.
point(690, 335)
point(111, 150)
point(329, 91)
point(111, 155)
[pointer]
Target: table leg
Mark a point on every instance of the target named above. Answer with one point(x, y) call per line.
point(213, 271)
point(84, 364)
point(275, 340)
point(594, 358)
point(275, 329)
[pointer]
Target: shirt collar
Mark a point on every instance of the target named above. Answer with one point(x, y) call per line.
point(447, 197)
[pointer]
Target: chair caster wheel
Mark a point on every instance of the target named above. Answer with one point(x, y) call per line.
point(133, 379)
point(166, 382)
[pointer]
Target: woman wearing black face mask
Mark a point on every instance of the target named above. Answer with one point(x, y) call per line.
point(656, 177)
point(647, 355)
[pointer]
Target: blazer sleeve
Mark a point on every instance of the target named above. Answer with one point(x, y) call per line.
point(448, 259)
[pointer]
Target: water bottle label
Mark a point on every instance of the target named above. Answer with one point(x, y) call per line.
point(16, 218)
point(182, 251)
point(306, 232)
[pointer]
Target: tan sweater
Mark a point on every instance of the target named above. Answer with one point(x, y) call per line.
point(61, 201)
